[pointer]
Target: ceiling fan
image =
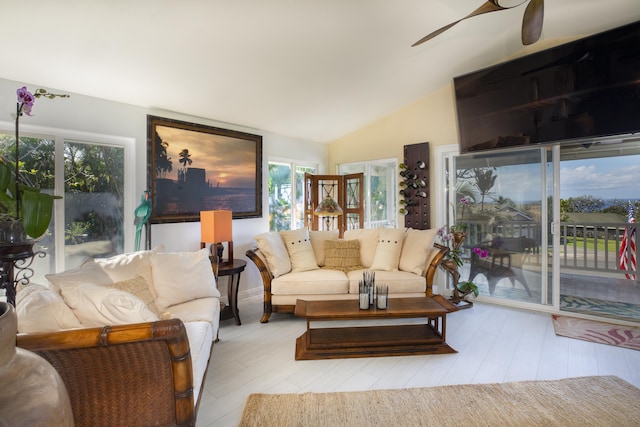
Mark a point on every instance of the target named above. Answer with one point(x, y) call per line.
point(531, 21)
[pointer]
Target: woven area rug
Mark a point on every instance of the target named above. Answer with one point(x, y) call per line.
point(585, 401)
point(600, 307)
point(600, 332)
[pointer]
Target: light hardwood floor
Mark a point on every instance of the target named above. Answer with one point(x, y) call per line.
point(494, 344)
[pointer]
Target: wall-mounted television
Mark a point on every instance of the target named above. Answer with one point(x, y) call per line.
point(585, 89)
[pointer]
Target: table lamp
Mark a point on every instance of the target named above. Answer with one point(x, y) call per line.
point(328, 209)
point(217, 227)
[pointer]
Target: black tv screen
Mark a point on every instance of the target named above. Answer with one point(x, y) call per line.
point(588, 88)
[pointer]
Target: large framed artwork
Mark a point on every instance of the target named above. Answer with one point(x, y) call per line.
point(193, 168)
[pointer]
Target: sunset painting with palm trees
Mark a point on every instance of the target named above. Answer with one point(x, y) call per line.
point(195, 168)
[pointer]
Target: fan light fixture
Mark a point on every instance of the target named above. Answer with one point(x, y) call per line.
point(531, 21)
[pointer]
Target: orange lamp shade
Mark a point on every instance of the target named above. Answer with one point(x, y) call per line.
point(216, 226)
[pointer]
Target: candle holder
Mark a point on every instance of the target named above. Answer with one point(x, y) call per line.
point(382, 296)
point(363, 298)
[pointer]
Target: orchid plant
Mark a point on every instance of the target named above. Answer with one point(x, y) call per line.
point(22, 205)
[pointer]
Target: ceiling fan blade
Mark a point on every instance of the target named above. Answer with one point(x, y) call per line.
point(532, 22)
point(487, 7)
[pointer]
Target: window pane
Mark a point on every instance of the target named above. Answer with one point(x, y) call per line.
point(505, 221)
point(93, 201)
point(380, 185)
point(299, 202)
point(279, 196)
point(597, 249)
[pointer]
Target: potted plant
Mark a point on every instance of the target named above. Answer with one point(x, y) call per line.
point(24, 210)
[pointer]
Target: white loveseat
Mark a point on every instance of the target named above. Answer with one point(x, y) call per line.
point(140, 288)
point(317, 265)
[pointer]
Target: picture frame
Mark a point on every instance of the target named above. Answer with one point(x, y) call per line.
point(193, 167)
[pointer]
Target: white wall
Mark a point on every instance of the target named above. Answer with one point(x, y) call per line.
point(100, 116)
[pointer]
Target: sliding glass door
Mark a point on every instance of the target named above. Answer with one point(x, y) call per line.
point(599, 190)
point(501, 200)
point(558, 225)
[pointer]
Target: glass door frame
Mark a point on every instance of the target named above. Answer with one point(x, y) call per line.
point(446, 200)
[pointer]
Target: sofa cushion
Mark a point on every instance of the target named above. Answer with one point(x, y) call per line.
point(275, 252)
point(343, 255)
point(368, 238)
point(311, 282)
point(388, 249)
point(89, 272)
point(200, 337)
point(139, 287)
point(96, 305)
point(41, 309)
point(197, 310)
point(300, 250)
point(417, 250)
point(318, 237)
point(182, 276)
point(398, 281)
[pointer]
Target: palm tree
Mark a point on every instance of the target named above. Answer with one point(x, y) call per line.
point(185, 158)
point(162, 161)
point(485, 180)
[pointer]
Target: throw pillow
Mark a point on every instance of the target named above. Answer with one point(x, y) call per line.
point(139, 287)
point(88, 273)
point(300, 250)
point(388, 249)
point(127, 266)
point(343, 255)
point(275, 252)
point(182, 276)
point(96, 305)
point(417, 250)
point(317, 242)
point(368, 238)
point(41, 309)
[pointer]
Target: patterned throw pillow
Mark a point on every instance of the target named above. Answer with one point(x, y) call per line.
point(317, 242)
point(343, 255)
point(139, 287)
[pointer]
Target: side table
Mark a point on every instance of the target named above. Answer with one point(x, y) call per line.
point(232, 270)
point(15, 259)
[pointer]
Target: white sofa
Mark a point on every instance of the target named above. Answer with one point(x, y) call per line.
point(317, 265)
point(130, 289)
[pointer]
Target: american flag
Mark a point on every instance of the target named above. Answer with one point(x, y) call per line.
point(628, 247)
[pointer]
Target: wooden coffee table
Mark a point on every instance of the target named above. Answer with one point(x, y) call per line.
point(374, 340)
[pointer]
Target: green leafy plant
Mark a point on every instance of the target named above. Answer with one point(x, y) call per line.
point(468, 287)
point(21, 204)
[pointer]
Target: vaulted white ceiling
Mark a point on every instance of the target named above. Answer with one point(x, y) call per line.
point(310, 69)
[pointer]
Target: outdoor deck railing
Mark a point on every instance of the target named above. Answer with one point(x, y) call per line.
point(583, 246)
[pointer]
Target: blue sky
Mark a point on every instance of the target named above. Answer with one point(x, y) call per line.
point(607, 178)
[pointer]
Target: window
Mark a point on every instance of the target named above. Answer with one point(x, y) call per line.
point(93, 201)
point(380, 186)
point(286, 191)
point(89, 173)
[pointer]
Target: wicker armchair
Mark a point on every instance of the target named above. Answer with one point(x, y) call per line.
point(133, 375)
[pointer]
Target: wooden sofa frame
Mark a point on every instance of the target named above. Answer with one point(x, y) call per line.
point(133, 375)
point(267, 277)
